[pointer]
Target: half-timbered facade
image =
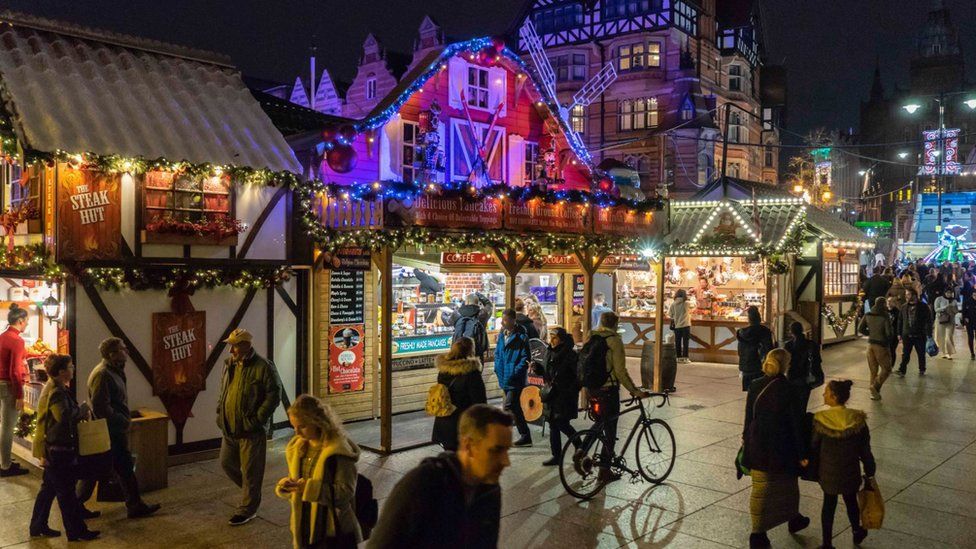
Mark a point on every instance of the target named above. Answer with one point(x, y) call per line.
point(678, 64)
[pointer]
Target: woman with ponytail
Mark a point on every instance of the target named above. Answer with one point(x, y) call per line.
point(841, 443)
point(13, 377)
point(321, 481)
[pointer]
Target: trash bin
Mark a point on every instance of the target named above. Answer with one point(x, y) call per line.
point(148, 442)
point(669, 366)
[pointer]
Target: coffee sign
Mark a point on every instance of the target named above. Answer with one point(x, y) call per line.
point(89, 214)
point(536, 215)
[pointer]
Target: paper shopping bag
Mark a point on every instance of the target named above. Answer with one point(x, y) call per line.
point(93, 437)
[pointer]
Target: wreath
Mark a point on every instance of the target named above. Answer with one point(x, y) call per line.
point(840, 324)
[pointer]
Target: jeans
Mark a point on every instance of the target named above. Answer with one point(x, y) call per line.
point(609, 400)
point(682, 336)
point(827, 514)
point(58, 481)
point(124, 468)
point(243, 462)
point(513, 405)
point(908, 343)
point(557, 426)
point(8, 419)
point(879, 363)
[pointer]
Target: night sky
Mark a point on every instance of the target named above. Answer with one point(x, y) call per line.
point(828, 46)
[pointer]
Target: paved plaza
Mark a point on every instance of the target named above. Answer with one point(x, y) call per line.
point(923, 435)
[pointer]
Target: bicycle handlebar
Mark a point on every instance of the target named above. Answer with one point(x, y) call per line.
point(663, 396)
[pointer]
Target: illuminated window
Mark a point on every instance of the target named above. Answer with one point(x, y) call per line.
point(410, 146)
point(533, 161)
point(577, 119)
point(634, 57)
point(477, 88)
point(638, 114)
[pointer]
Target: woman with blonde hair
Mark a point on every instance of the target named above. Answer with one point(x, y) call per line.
point(772, 449)
point(321, 481)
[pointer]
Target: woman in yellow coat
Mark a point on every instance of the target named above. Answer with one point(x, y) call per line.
point(321, 481)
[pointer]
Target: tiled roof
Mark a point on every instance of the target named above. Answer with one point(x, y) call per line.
point(79, 90)
point(833, 227)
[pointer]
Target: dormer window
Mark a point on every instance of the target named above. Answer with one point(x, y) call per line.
point(687, 110)
point(371, 88)
point(476, 89)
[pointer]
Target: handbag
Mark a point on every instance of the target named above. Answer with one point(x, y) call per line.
point(93, 437)
point(872, 504)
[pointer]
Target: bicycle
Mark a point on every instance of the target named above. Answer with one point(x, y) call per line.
point(588, 464)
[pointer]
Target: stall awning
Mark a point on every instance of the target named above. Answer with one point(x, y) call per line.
point(743, 226)
point(79, 90)
point(832, 228)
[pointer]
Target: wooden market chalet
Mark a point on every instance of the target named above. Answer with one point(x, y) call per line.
point(146, 197)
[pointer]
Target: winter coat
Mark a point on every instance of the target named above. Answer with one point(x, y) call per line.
point(804, 354)
point(755, 341)
point(968, 304)
point(512, 359)
point(109, 397)
point(250, 392)
point(680, 313)
point(876, 286)
point(468, 324)
point(934, 289)
point(524, 321)
point(13, 366)
point(920, 326)
point(897, 291)
point(841, 442)
point(559, 374)
point(878, 326)
point(463, 380)
point(616, 359)
point(948, 306)
point(57, 419)
point(771, 431)
point(322, 489)
point(428, 509)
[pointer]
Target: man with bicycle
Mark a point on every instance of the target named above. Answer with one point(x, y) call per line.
point(604, 386)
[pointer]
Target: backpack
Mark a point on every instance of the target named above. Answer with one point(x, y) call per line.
point(439, 402)
point(591, 368)
point(366, 507)
point(471, 327)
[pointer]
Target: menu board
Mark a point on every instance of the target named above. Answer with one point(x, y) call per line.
point(579, 289)
point(347, 293)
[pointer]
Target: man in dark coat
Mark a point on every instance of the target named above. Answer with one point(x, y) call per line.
point(249, 393)
point(876, 286)
point(524, 321)
point(755, 340)
point(109, 399)
point(469, 324)
point(452, 500)
point(915, 327)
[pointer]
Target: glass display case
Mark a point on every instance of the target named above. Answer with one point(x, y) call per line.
point(840, 277)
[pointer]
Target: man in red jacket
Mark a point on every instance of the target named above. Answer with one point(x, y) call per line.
point(13, 377)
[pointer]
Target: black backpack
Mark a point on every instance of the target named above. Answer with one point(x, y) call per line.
point(366, 507)
point(471, 327)
point(592, 365)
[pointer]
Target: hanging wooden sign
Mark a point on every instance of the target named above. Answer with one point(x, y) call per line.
point(179, 353)
point(430, 211)
point(89, 214)
point(623, 221)
point(536, 215)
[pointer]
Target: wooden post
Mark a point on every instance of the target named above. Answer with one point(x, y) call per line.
point(590, 262)
point(386, 352)
point(658, 322)
point(511, 262)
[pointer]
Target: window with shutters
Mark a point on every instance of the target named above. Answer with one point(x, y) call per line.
point(476, 90)
point(533, 162)
point(410, 146)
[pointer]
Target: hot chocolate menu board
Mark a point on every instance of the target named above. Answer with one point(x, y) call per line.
point(347, 294)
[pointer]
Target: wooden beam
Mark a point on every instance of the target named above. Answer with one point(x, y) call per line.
point(117, 331)
point(289, 302)
point(386, 368)
point(658, 323)
point(231, 326)
point(259, 222)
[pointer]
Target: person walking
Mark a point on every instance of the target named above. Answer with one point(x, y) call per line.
point(608, 396)
point(680, 314)
point(55, 444)
point(511, 365)
point(841, 443)
point(109, 398)
point(755, 340)
point(453, 499)
point(878, 327)
point(13, 377)
point(897, 291)
point(249, 394)
point(875, 287)
point(460, 371)
point(469, 324)
point(914, 326)
point(560, 400)
point(321, 481)
point(945, 315)
point(806, 368)
point(969, 316)
point(772, 446)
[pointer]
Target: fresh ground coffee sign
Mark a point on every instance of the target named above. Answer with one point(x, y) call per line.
point(89, 214)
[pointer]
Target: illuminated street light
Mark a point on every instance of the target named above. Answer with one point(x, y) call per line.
point(971, 103)
point(862, 172)
point(798, 188)
point(912, 107)
point(903, 155)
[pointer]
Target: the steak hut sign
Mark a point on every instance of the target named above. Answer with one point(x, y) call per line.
point(89, 214)
point(90, 205)
point(179, 342)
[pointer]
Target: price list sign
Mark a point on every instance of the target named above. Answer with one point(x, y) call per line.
point(347, 294)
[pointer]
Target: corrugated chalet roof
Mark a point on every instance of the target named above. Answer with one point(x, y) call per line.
point(80, 90)
point(687, 217)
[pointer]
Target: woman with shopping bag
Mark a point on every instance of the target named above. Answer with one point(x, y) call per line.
point(56, 445)
point(841, 443)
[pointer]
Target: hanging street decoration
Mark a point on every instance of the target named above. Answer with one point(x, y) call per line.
point(163, 278)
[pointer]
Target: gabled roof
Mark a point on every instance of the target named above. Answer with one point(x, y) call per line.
point(767, 224)
point(291, 118)
point(80, 90)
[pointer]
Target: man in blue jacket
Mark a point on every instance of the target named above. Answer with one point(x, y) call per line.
point(511, 365)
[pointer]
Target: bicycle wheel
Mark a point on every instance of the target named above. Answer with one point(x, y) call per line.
point(579, 468)
point(655, 450)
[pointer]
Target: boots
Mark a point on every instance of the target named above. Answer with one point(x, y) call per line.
point(798, 523)
point(759, 541)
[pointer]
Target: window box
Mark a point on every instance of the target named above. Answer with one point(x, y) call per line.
point(181, 209)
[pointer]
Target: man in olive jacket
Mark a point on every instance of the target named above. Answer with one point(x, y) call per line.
point(249, 394)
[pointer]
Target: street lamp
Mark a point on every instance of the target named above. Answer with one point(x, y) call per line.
point(51, 308)
point(971, 103)
point(911, 107)
point(862, 172)
point(903, 155)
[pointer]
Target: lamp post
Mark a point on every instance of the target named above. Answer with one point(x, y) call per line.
point(911, 108)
